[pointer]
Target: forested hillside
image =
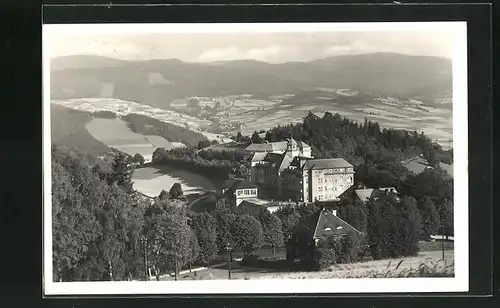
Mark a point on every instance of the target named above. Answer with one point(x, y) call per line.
point(68, 131)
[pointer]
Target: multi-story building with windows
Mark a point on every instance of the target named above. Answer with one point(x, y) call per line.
point(296, 176)
point(309, 180)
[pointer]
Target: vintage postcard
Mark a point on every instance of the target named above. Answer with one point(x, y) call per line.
point(255, 158)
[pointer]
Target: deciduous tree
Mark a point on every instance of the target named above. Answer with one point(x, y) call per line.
point(272, 230)
point(205, 229)
point(247, 234)
point(176, 190)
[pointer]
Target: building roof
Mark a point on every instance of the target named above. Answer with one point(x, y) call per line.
point(365, 194)
point(279, 161)
point(323, 223)
point(259, 203)
point(228, 146)
point(235, 183)
point(258, 156)
point(279, 146)
point(327, 163)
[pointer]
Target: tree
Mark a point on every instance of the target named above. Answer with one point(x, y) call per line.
point(289, 218)
point(239, 137)
point(163, 195)
point(433, 158)
point(203, 144)
point(247, 234)
point(383, 228)
point(272, 230)
point(74, 226)
point(256, 138)
point(176, 190)
point(446, 217)
point(194, 249)
point(96, 226)
point(430, 217)
point(121, 173)
point(410, 226)
point(205, 229)
point(225, 238)
point(169, 242)
point(138, 158)
point(355, 215)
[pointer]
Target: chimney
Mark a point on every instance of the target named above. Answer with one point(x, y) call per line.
point(334, 212)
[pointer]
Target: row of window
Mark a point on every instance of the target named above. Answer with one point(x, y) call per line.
point(246, 192)
point(326, 197)
point(330, 179)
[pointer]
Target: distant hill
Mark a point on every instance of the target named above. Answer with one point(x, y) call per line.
point(83, 61)
point(377, 73)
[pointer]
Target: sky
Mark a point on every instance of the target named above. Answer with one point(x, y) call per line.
point(269, 47)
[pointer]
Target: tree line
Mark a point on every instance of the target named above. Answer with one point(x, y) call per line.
point(335, 136)
point(218, 165)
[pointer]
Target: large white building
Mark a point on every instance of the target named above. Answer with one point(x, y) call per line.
point(293, 174)
point(309, 180)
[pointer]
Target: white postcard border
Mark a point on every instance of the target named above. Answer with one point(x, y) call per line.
point(459, 283)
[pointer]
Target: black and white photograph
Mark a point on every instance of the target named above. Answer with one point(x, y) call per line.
point(255, 158)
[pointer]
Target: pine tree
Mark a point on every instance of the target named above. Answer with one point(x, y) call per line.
point(446, 217)
point(430, 217)
point(256, 138)
point(121, 173)
point(410, 226)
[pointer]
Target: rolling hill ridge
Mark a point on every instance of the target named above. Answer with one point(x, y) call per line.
point(157, 82)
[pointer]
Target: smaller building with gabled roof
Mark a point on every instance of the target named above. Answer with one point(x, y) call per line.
point(373, 193)
point(308, 233)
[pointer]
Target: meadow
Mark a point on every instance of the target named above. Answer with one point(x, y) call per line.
point(152, 180)
point(115, 133)
point(426, 264)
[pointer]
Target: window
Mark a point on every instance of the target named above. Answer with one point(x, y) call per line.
point(320, 197)
point(246, 192)
point(320, 188)
point(238, 192)
point(326, 188)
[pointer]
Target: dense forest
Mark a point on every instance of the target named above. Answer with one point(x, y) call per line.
point(105, 114)
point(145, 125)
point(217, 165)
point(335, 136)
point(103, 230)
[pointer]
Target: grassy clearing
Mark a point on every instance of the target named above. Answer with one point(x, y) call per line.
point(426, 264)
point(151, 180)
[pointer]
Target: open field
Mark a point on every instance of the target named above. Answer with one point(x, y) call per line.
point(229, 112)
point(377, 268)
point(123, 107)
point(116, 133)
point(151, 180)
